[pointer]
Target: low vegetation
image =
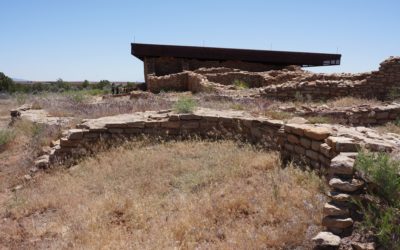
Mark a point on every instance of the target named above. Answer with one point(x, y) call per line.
point(185, 104)
point(192, 194)
point(24, 142)
point(6, 136)
point(319, 119)
point(383, 217)
point(390, 127)
point(240, 84)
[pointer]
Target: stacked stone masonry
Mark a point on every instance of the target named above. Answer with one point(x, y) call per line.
point(281, 83)
point(365, 115)
point(329, 149)
point(381, 84)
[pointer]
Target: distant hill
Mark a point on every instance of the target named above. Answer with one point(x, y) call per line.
point(19, 80)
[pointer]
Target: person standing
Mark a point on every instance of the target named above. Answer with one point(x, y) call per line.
point(113, 88)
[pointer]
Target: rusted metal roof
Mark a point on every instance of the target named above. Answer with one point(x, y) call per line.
point(304, 59)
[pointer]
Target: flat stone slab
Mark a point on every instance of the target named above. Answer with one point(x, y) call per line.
point(326, 239)
point(345, 185)
point(342, 164)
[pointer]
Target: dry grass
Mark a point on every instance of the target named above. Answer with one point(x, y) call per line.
point(192, 194)
point(352, 101)
point(389, 128)
point(18, 155)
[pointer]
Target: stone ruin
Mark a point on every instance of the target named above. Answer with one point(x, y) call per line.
point(288, 83)
point(328, 149)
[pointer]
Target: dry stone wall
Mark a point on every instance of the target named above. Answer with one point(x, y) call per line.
point(365, 115)
point(381, 84)
point(284, 83)
point(330, 149)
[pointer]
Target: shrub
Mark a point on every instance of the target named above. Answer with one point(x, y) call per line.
point(240, 84)
point(319, 119)
point(383, 172)
point(6, 136)
point(185, 105)
point(6, 83)
point(384, 218)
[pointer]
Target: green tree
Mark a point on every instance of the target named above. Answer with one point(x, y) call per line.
point(102, 84)
point(85, 84)
point(6, 83)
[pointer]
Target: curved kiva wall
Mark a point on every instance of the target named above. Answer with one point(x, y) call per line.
point(330, 149)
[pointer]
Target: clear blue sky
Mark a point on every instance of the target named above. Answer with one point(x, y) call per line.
point(87, 39)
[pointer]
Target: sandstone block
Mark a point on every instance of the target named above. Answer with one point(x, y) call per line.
point(152, 124)
point(312, 155)
point(318, 134)
point(325, 149)
point(189, 117)
point(293, 139)
point(76, 134)
point(305, 142)
point(343, 144)
point(326, 239)
point(315, 145)
point(92, 135)
point(137, 124)
point(342, 164)
point(190, 125)
point(363, 246)
point(133, 130)
point(289, 147)
point(382, 115)
point(116, 130)
point(64, 142)
point(334, 210)
point(300, 150)
point(339, 197)
point(171, 124)
point(337, 222)
point(42, 162)
point(297, 129)
point(346, 185)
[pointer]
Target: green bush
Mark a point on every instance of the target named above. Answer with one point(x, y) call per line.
point(6, 83)
point(6, 136)
point(383, 172)
point(383, 218)
point(185, 105)
point(239, 84)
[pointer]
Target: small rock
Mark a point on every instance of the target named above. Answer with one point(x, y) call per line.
point(363, 246)
point(340, 197)
point(33, 169)
point(297, 120)
point(346, 186)
point(334, 210)
point(326, 239)
point(334, 222)
point(16, 188)
point(27, 177)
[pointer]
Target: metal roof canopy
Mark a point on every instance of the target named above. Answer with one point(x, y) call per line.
point(304, 59)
